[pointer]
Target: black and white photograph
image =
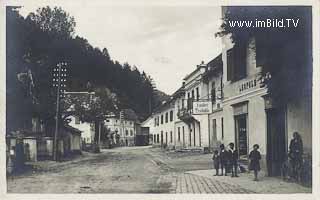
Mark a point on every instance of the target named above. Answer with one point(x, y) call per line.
point(132, 98)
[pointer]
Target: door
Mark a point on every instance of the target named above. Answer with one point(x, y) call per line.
point(241, 136)
point(276, 145)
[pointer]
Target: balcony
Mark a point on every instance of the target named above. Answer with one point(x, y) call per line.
point(185, 115)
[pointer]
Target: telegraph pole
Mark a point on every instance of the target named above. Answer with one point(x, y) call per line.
point(59, 79)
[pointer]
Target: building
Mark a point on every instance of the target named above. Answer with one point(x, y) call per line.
point(163, 124)
point(87, 134)
point(122, 127)
point(251, 116)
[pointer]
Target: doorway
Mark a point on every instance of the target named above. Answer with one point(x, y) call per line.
point(241, 136)
point(276, 144)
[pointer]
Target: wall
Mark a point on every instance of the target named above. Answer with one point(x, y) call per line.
point(299, 118)
point(86, 133)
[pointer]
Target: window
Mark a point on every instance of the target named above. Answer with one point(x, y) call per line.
point(197, 93)
point(171, 116)
point(236, 61)
point(213, 92)
point(157, 138)
point(192, 94)
point(127, 132)
point(161, 119)
point(222, 133)
point(178, 134)
point(131, 133)
point(170, 136)
point(155, 121)
point(116, 121)
point(166, 117)
point(108, 120)
point(77, 120)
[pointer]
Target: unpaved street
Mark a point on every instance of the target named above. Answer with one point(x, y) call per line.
point(122, 170)
point(139, 170)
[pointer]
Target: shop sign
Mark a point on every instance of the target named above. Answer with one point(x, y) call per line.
point(248, 85)
point(202, 107)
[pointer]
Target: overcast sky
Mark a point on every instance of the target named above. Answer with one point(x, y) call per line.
point(167, 42)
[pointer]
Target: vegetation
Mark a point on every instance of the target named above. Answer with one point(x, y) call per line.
point(35, 45)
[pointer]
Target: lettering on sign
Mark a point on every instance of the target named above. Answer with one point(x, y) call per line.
point(200, 108)
point(247, 85)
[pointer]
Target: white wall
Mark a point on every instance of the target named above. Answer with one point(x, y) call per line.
point(84, 127)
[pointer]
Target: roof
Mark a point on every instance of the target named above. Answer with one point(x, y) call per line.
point(72, 129)
point(214, 67)
point(202, 65)
point(128, 114)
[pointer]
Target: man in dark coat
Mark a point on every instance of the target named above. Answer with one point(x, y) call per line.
point(295, 154)
point(233, 153)
point(224, 160)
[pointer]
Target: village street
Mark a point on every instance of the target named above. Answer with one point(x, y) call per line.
point(139, 170)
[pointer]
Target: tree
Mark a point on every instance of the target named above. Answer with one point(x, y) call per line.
point(54, 21)
point(285, 53)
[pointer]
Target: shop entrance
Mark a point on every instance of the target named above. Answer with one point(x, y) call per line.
point(276, 145)
point(241, 135)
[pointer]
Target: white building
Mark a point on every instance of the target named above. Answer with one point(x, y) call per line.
point(123, 131)
point(87, 133)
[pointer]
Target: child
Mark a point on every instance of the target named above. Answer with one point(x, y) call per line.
point(255, 157)
point(216, 161)
point(223, 160)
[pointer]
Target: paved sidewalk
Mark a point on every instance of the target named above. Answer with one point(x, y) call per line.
point(265, 184)
point(190, 183)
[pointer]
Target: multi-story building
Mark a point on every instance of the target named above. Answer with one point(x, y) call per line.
point(250, 115)
point(163, 124)
point(226, 100)
point(122, 129)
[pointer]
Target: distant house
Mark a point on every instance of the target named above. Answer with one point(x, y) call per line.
point(87, 134)
point(122, 129)
point(71, 138)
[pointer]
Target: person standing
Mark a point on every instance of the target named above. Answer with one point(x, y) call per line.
point(255, 158)
point(295, 153)
point(233, 153)
point(223, 160)
point(216, 161)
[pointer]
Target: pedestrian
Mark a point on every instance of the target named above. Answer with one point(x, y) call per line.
point(295, 154)
point(223, 160)
point(216, 161)
point(255, 158)
point(233, 160)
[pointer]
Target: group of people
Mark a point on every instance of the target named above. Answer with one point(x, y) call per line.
point(227, 160)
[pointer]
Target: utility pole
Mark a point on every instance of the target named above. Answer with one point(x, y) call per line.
point(59, 79)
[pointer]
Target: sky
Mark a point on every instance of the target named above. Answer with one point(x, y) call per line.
point(167, 42)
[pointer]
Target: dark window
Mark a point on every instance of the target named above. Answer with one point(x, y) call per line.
point(161, 119)
point(127, 132)
point(222, 133)
point(178, 134)
point(236, 62)
point(155, 121)
point(166, 117)
point(197, 93)
point(170, 136)
point(192, 94)
point(171, 116)
point(213, 92)
point(157, 138)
